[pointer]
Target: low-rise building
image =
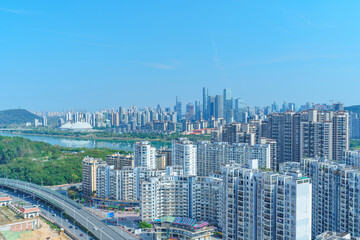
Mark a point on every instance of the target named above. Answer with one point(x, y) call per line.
point(176, 228)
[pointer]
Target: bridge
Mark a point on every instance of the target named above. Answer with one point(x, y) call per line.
point(88, 221)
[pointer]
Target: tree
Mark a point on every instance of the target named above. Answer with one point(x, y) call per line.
point(144, 225)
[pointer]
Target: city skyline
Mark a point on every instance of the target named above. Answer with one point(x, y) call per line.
point(103, 55)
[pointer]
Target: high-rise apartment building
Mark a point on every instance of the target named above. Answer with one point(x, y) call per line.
point(120, 160)
point(265, 205)
point(335, 196)
point(211, 156)
point(340, 134)
point(89, 167)
point(184, 155)
point(352, 158)
point(144, 155)
point(103, 181)
point(182, 196)
point(311, 133)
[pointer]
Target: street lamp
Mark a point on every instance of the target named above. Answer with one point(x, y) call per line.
point(61, 218)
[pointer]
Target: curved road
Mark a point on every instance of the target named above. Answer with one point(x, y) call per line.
point(73, 209)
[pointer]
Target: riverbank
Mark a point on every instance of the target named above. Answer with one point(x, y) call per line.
point(92, 138)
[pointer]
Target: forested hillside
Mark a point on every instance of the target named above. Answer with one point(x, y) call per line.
point(16, 116)
point(43, 163)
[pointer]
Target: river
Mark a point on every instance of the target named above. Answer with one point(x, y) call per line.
point(75, 143)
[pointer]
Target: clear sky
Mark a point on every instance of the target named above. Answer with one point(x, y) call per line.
point(85, 54)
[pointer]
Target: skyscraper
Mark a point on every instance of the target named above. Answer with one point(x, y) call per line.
point(219, 106)
point(205, 103)
point(228, 106)
point(178, 109)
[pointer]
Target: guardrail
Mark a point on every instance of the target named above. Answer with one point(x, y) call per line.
point(68, 206)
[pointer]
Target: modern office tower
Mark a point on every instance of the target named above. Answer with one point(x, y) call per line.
point(144, 155)
point(103, 181)
point(273, 150)
point(352, 158)
point(265, 205)
point(211, 156)
point(198, 111)
point(181, 196)
point(336, 196)
point(89, 166)
point(228, 105)
point(44, 122)
point(205, 103)
point(340, 134)
point(178, 109)
point(120, 160)
point(190, 111)
point(274, 107)
point(219, 107)
point(354, 126)
point(211, 107)
point(184, 154)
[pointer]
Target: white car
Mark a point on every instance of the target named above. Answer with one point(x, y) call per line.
point(95, 228)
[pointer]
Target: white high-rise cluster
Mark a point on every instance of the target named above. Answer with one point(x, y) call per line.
point(265, 205)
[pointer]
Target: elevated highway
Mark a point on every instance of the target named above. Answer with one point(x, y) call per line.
point(92, 223)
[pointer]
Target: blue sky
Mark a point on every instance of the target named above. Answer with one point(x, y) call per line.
point(56, 55)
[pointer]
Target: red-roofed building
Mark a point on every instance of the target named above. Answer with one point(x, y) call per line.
point(5, 200)
point(29, 211)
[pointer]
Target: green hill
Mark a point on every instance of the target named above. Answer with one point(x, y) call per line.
point(16, 116)
point(354, 108)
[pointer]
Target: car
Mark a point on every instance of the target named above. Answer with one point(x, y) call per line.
point(66, 220)
point(95, 228)
point(76, 228)
point(81, 234)
point(70, 226)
